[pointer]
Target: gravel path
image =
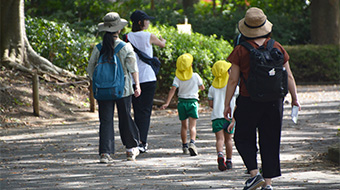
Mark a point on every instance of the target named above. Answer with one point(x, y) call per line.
point(60, 154)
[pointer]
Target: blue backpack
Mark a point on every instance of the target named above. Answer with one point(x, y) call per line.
point(108, 77)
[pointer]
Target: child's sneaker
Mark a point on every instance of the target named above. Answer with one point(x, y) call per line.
point(132, 154)
point(254, 182)
point(185, 150)
point(268, 187)
point(105, 158)
point(229, 165)
point(193, 149)
point(221, 163)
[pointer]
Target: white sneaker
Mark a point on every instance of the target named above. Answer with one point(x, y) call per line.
point(185, 150)
point(132, 154)
point(105, 158)
point(193, 149)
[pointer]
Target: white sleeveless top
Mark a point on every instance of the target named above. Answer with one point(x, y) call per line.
point(141, 40)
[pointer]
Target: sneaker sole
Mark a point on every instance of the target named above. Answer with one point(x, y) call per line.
point(192, 152)
point(257, 185)
point(221, 164)
point(103, 161)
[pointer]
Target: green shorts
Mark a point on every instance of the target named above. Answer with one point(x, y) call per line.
point(217, 125)
point(187, 108)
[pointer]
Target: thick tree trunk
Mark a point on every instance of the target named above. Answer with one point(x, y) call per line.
point(325, 27)
point(16, 52)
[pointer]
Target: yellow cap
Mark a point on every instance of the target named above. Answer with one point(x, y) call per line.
point(220, 72)
point(184, 67)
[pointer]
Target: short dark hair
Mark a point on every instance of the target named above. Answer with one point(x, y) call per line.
point(137, 26)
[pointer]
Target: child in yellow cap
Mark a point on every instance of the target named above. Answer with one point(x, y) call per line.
point(188, 84)
point(222, 128)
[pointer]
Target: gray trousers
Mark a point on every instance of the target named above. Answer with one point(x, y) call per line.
point(128, 130)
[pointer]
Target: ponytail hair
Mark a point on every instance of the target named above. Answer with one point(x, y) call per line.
point(108, 48)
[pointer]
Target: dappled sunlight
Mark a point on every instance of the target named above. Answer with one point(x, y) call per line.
point(65, 155)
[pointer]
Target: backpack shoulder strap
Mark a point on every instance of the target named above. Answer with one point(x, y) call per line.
point(99, 46)
point(247, 45)
point(270, 44)
point(119, 47)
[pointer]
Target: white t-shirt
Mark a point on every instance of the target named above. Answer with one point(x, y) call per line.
point(218, 97)
point(188, 89)
point(141, 40)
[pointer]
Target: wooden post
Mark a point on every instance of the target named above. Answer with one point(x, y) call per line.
point(35, 82)
point(92, 100)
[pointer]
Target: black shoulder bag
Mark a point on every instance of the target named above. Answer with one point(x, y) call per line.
point(152, 61)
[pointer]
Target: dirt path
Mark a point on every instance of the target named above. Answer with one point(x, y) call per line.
point(63, 155)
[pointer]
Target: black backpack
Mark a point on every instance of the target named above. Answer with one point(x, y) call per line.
point(268, 79)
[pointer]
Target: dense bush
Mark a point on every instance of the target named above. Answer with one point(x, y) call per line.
point(315, 63)
point(59, 44)
point(291, 18)
point(206, 50)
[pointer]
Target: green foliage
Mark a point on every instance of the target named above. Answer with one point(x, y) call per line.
point(82, 15)
point(315, 63)
point(291, 18)
point(206, 50)
point(59, 44)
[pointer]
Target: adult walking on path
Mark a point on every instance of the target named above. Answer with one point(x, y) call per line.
point(250, 115)
point(61, 153)
point(143, 41)
point(128, 130)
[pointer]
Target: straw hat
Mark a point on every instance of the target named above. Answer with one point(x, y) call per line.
point(184, 68)
point(112, 23)
point(220, 72)
point(254, 24)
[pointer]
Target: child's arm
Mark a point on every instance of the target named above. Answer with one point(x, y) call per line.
point(201, 87)
point(211, 103)
point(170, 95)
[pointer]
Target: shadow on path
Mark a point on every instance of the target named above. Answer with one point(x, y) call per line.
point(65, 155)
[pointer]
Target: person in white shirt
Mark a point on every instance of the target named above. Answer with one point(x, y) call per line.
point(222, 128)
point(142, 105)
point(188, 84)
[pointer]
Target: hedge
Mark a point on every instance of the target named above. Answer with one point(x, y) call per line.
point(315, 64)
point(206, 50)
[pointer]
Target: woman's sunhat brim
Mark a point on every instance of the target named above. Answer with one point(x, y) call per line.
point(102, 27)
point(254, 24)
point(253, 32)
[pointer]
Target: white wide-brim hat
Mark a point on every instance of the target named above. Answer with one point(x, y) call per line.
point(112, 23)
point(254, 24)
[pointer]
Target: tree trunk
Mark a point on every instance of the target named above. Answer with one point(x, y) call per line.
point(16, 52)
point(325, 27)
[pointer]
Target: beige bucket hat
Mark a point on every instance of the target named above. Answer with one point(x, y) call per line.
point(112, 23)
point(254, 24)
